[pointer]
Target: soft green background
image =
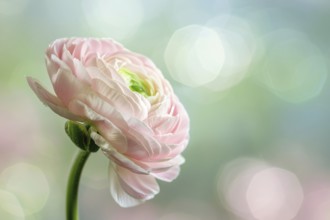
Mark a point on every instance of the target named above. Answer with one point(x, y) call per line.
point(260, 138)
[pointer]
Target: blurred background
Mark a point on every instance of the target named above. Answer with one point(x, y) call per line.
point(253, 75)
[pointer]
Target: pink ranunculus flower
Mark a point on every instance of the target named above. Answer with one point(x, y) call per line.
point(139, 122)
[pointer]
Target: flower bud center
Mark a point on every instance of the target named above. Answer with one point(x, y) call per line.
point(136, 84)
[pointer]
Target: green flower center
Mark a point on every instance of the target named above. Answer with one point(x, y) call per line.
point(136, 84)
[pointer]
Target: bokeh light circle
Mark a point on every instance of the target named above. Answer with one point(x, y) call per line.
point(194, 55)
point(195, 12)
point(29, 184)
point(239, 45)
point(253, 189)
point(293, 68)
point(233, 184)
point(113, 18)
point(10, 207)
point(273, 194)
point(317, 201)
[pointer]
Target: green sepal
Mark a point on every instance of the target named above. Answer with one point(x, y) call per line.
point(79, 134)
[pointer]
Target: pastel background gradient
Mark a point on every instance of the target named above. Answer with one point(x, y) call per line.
point(253, 75)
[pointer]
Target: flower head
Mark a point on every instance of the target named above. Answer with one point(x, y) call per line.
point(136, 119)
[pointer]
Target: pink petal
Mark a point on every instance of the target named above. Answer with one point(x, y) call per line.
point(141, 143)
point(84, 111)
point(163, 124)
point(56, 47)
point(104, 46)
point(139, 186)
point(115, 156)
point(67, 87)
point(80, 49)
point(144, 146)
point(107, 72)
point(162, 106)
point(139, 103)
point(112, 134)
point(81, 71)
point(52, 69)
point(53, 65)
point(167, 175)
point(67, 57)
point(124, 104)
point(173, 138)
point(52, 101)
point(106, 128)
point(176, 149)
point(94, 107)
point(166, 170)
point(119, 195)
point(156, 166)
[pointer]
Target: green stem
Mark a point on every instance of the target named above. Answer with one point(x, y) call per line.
point(73, 185)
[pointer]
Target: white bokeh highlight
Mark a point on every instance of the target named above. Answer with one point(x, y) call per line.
point(194, 55)
point(113, 18)
point(233, 184)
point(273, 194)
point(216, 56)
point(29, 184)
point(252, 189)
point(317, 201)
point(238, 40)
point(10, 207)
point(292, 67)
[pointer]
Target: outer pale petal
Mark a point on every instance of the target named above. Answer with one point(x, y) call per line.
point(67, 87)
point(52, 68)
point(162, 165)
point(117, 157)
point(50, 100)
point(117, 191)
point(173, 138)
point(141, 142)
point(168, 175)
point(112, 134)
point(131, 188)
point(176, 149)
point(166, 170)
point(163, 124)
point(106, 128)
point(93, 106)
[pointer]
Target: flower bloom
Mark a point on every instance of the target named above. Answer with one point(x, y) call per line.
point(140, 124)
